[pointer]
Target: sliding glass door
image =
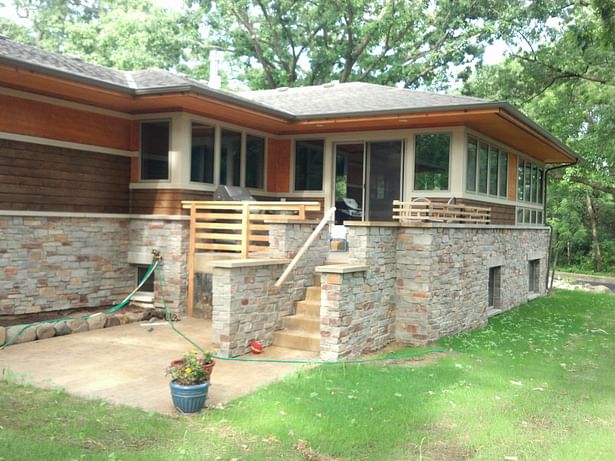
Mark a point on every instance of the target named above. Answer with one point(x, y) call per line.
point(384, 179)
point(367, 180)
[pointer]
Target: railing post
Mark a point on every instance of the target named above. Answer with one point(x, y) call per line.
point(191, 254)
point(245, 230)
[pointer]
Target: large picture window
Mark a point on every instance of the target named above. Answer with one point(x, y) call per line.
point(155, 149)
point(486, 168)
point(255, 162)
point(309, 155)
point(202, 160)
point(431, 164)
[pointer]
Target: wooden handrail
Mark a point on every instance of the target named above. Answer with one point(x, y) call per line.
point(329, 215)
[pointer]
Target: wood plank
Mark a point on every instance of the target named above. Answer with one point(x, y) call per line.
point(218, 246)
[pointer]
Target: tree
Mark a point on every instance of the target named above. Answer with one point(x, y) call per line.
point(124, 34)
point(293, 43)
point(562, 78)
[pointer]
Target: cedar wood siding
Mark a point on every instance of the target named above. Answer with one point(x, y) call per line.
point(163, 201)
point(35, 177)
point(503, 215)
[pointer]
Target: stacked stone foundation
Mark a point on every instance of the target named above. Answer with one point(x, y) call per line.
point(52, 262)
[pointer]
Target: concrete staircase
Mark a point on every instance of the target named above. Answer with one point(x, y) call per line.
point(302, 330)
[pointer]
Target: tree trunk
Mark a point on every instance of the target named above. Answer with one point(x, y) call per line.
point(568, 253)
point(591, 213)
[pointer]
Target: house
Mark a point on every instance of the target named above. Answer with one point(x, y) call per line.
point(99, 166)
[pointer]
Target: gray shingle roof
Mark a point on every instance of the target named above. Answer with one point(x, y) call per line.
point(353, 98)
point(305, 102)
point(40, 58)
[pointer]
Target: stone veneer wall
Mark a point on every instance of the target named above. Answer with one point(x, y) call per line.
point(437, 277)
point(246, 305)
point(353, 320)
point(443, 275)
point(170, 236)
point(54, 262)
point(357, 311)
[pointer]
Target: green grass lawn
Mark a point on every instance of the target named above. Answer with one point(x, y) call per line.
point(537, 384)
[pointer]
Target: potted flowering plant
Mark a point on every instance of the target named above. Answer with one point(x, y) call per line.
point(207, 361)
point(189, 383)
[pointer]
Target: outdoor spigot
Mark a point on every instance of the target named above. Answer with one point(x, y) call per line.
point(156, 255)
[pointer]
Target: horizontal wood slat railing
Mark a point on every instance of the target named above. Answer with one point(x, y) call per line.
point(424, 210)
point(236, 227)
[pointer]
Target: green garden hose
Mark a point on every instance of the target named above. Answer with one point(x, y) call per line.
point(300, 361)
point(150, 270)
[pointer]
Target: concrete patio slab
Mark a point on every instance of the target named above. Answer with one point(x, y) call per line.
point(126, 364)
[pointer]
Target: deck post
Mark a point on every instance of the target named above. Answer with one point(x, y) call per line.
point(191, 254)
point(245, 230)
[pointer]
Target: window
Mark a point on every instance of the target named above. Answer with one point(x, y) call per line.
point(431, 161)
point(503, 175)
point(155, 150)
point(493, 297)
point(230, 158)
point(530, 179)
point(309, 155)
point(202, 162)
point(255, 162)
point(471, 165)
point(482, 167)
point(148, 286)
point(534, 275)
point(486, 168)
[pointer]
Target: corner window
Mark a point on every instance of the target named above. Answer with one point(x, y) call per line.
point(230, 158)
point(309, 155)
point(530, 179)
point(255, 162)
point(534, 275)
point(486, 168)
point(155, 150)
point(493, 297)
point(431, 162)
point(202, 160)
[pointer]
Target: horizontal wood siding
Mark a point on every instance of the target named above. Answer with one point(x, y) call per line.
point(500, 214)
point(34, 177)
point(41, 119)
point(163, 201)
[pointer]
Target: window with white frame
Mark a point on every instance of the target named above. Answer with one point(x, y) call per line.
point(308, 165)
point(202, 155)
point(486, 168)
point(432, 161)
point(155, 149)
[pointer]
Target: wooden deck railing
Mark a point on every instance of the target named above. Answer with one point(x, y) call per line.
point(424, 210)
point(236, 227)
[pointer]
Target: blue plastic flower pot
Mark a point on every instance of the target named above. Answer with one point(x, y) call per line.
point(189, 399)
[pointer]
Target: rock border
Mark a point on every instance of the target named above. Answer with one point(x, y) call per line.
point(41, 331)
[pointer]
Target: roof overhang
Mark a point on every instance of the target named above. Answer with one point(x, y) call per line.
point(497, 120)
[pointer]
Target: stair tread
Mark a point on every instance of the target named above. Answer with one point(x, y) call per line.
point(297, 333)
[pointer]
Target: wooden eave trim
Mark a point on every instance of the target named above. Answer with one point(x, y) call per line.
point(522, 126)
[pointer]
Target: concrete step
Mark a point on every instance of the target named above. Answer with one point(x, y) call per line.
point(305, 323)
point(297, 340)
point(312, 294)
point(309, 308)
